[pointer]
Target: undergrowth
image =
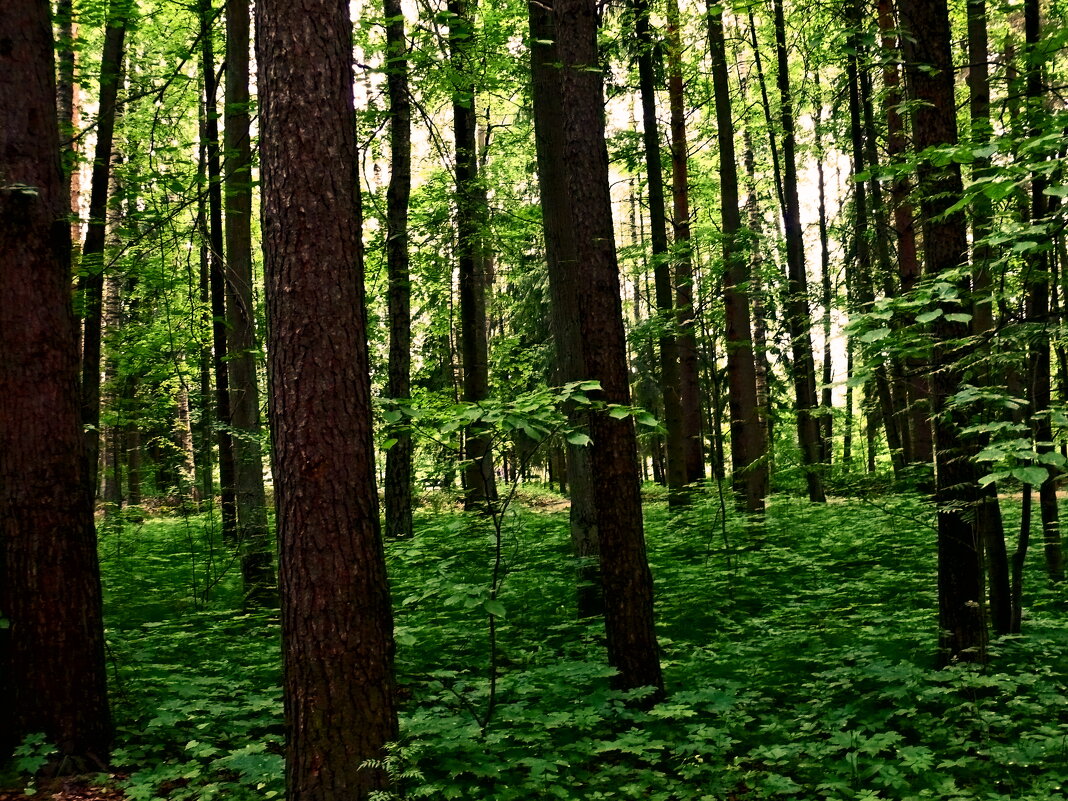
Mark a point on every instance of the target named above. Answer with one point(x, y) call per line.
point(798, 658)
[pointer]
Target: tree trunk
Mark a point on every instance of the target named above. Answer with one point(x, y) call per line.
point(479, 480)
point(929, 74)
point(253, 535)
point(52, 673)
point(399, 456)
point(627, 581)
point(747, 436)
point(91, 270)
point(561, 250)
point(689, 361)
point(337, 628)
point(665, 301)
point(798, 316)
point(217, 280)
point(826, 297)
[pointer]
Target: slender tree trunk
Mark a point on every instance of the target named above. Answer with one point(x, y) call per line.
point(748, 446)
point(798, 316)
point(826, 398)
point(399, 456)
point(988, 513)
point(480, 483)
point(561, 248)
point(929, 73)
point(665, 301)
point(689, 382)
point(1019, 559)
point(627, 581)
point(253, 535)
point(91, 270)
point(217, 279)
point(67, 105)
point(52, 672)
point(337, 628)
point(1038, 310)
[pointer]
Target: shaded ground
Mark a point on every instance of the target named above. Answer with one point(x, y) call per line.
point(64, 790)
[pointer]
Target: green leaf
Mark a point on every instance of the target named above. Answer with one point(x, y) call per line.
point(495, 608)
point(875, 335)
point(389, 443)
point(1030, 475)
point(959, 317)
point(578, 438)
point(618, 412)
point(928, 316)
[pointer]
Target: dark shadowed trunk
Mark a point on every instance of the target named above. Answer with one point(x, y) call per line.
point(52, 676)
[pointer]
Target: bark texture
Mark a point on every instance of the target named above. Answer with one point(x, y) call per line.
point(336, 616)
point(52, 676)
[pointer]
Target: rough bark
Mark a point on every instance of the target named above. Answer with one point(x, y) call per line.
point(398, 487)
point(52, 675)
point(929, 78)
point(337, 636)
point(627, 581)
point(748, 445)
point(250, 497)
point(561, 252)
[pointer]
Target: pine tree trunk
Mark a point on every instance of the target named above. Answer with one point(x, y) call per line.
point(799, 318)
point(52, 671)
point(561, 249)
point(253, 534)
point(747, 436)
point(926, 45)
point(627, 581)
point(398, 457)
point(337, 628)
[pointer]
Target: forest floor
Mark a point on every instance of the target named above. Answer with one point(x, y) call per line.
point(799, 658)
point(67, 789)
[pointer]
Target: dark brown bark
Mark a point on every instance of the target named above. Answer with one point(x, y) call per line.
point(479, 482)
point(929, 77)
point(561, 252)
point(253, 535)
point(748, 445)
point(1038, 309)
point(91, 269)
point(336, 617)
point(799, 319)
point(627, 581)
point(52, 676)
point(399, 457)
point(988, 514)
point(67, 102)
point(918, 388)
point(217, 278)
point(665, 300)
point(689, 363)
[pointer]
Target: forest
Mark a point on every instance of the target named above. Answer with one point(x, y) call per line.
point(560, 399)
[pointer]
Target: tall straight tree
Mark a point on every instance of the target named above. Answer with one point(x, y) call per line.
point(799, 318)
point(253, 535)
point(399, 456)
point(748, 445)
point(52, 676)
point(91, 270)
point(561, 252)
point(337, 627)
point(665, 301)
point(594, 279)
point(479, 481)
point(214, 241)
point(926, 46)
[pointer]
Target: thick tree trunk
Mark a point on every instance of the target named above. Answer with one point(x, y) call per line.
point(91, 269)
point(399, 456)
point(627, 581)
point(253, 535)
point(929, 75)
point(799, 318)
point(52, 675)
point(665, 301)
point(480, 482)
point(337, 628)
point(217, 279)
point(561, 249)
point(748, 445)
